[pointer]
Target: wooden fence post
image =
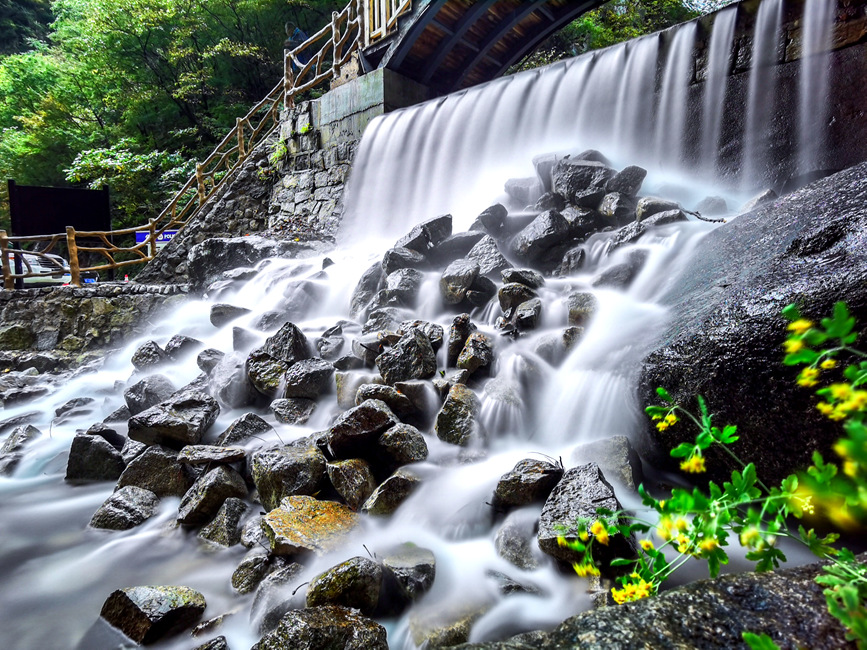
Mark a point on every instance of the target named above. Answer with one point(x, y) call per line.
point(200, 184)
point(239, 127)
point(8, 281)
point(335, 40)
point(288, 81)
point(152, 248)
point(72, 247)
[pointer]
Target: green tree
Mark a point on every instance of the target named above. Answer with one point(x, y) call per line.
point(22, 21)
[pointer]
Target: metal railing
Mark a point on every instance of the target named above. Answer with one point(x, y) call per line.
point(358, 24)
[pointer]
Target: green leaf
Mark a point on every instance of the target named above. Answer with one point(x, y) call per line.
point(759, 641)
point(683, 450)
point(664, 394)
point(728, 434)
point(801, 356)
point(702, 405)
point(621, 561)
point(791, 312)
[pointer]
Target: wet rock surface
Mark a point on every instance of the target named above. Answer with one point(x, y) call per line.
point(319, 628)
point(148, 614)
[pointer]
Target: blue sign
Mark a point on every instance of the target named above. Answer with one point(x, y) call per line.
point(162, 239)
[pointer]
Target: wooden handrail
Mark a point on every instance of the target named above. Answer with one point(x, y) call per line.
point(357, 25)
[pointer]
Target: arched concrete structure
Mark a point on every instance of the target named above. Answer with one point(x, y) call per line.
point(448, 45)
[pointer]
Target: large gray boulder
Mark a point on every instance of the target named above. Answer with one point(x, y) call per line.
point(204, 499)
point(180, 420)
point(246, 428)
point(93, 458)
point(726, 332)
point(286, 471)
point(546, 232)
point(412, 357)
point(787, 605)
point(457, 279)
point(530, 480)
point(148, 614)
point(356, 583)
point(157, 469)
point(456, 421)
point(427, 234)
point(125, 509)
point(148, 392)
point(357, 427)
point(307, 378)
point(323, 628)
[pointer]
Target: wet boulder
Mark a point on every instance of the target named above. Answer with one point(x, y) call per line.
point(493, 219)
point(627, 181)
point(527, 314)
point(202, 501)
point(246, 428)
point(456, 421)
point(544, 233)
point(401, 258)
point(524, 191)
point(402, 444)
point(409, 573)
point(477, 353)
point(148, 614)
point(293, 411)
point(580, 492)
point(571, 177)
point(455, 247)
point(225, 528)
point(148, 392)
point(265, 372)
point(554, 347)
point(758, 200)
point(581, 307)
point(107, 433)
point(529, 481)
point(712, 206)
point(411, 358)
point(355, 583)
point(381, 322)
point(157, 469)
point(330, 347)
point(393, 491)
point(180, 420)
point(125, 509)
point(179, 347)
point(14, 445)
point(230, 382)
point(208, 359)
point(617, 209)
point(432, 331)
point(318, 628)
point(348, 383)
point(487, 255)
point(252, 569)
point(459, 331)
point(650, 205)
point(399, 403)
point(307, 378)
point(353, 480)
point(286, 471)
point(93, 458)
point(550, 201)
point(288, 345)
point(354, 429)
point(222, 314)
point(481, 291)
point(515, 539)
point(513, 294)
point(149, 355)
point(427, 235)
point(457, 279)
point(403, 286)
point(527, 277)
point(302, 523)
point(616, 458)
point(370, 283)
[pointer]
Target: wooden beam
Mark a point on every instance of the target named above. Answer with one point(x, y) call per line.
point(469, 19)
point(403, 46)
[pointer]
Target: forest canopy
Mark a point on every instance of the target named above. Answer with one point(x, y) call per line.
point(130, 93)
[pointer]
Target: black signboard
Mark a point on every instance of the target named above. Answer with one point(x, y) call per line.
point(49, 210)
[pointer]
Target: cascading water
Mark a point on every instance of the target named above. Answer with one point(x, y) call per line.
point(815, 39)
point(449, 155)
point(672, 100)
point(718, 70)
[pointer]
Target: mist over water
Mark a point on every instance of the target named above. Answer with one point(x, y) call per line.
point(450, 155)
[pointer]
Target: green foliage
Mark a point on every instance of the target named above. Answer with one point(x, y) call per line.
point(698, 523)
point(759, 641)
point(129, 78)
point(21, 23)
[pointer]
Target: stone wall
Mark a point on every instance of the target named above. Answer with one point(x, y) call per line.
point(76, 321)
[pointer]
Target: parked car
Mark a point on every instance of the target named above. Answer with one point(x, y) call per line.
point(53, 270)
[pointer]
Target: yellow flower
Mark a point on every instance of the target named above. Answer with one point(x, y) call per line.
point(800, 326)
point(671, 419)
point(583, 535)
point(664, 530)
point(601, 533)
point(681, 524)
point(694, 464)
point(840, 391)
point(683, 543)
point(793, 345)
point(750, 537)
point(646, 544)
point(633, 591)
point(808, 377)
point(584, 570)
point(850, 468)
point(709, 544)
point(828, 364)
point(662, 426)
point(825, 408)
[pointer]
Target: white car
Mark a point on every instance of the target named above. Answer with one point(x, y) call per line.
point(53, 270)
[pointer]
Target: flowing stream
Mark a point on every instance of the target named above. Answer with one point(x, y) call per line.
point(450, 155)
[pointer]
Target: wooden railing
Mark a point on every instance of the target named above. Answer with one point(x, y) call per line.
point(360, 23)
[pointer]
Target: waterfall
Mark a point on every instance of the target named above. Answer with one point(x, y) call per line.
point(718, 70)
point(761, 96)
point(449, 155)
point(813, 110)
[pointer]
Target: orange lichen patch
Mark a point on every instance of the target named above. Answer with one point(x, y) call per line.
point(303, 523)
